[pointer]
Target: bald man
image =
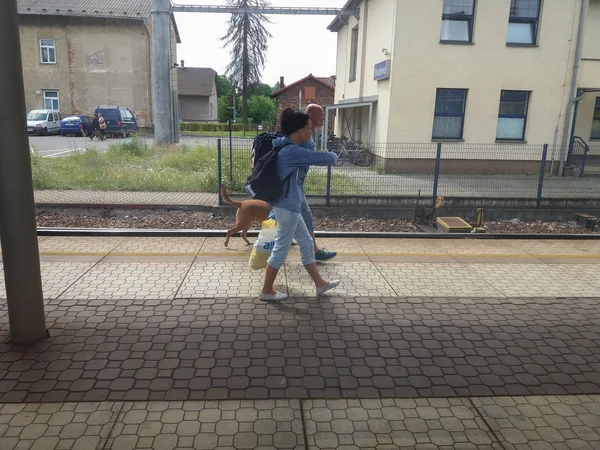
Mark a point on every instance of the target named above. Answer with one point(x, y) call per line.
point(317, 117)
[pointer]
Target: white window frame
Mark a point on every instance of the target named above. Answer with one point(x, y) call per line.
point(47, 48)
point(52, 99)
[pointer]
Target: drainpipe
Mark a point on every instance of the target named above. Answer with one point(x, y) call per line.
point(363, 56)
point(573, 92)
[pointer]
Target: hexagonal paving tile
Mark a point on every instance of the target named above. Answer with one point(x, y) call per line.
point(56, 276)
point(553, 422)
point(129, 281)
point(535, 280)
point(94, 245)
point(395, 424)
point(246, 424)
point(68, 426)
point(358, 279)
point(236, 245)
point(225, 280)
point(159, 245)
point(430, 279)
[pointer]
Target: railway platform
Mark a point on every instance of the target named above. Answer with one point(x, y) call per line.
point(162, 343)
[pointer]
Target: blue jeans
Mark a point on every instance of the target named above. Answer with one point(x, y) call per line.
point(307, 216)
point(290, 225)
point(304, 210)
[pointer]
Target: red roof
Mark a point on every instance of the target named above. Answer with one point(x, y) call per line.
point(323, 80)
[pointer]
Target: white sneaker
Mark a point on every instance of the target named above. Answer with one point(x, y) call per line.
point(331, 285)
point(276, 297)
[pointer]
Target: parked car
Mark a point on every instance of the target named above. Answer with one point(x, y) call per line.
point(120, 121)
point(75, 125)
point(43, 122)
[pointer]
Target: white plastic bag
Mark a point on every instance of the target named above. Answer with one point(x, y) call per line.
point(263, 245)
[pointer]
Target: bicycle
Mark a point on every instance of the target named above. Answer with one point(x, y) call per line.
point(352, 150)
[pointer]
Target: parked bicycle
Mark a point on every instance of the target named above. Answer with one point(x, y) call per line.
point(348, 150)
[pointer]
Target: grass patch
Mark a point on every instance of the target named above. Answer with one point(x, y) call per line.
point(136, 166)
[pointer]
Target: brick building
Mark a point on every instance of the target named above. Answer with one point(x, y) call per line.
point(302, 93)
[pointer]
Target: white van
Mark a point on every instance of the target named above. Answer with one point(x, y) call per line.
point(43, 122)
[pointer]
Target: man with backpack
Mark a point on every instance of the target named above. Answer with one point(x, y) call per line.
point(263, 144)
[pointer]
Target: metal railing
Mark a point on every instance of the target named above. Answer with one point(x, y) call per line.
point(456, 170)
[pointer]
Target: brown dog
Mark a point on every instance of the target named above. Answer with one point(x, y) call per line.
point(249, 211)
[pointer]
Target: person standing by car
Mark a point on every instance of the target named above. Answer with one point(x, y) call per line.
point(94, 127)
point(101, 126)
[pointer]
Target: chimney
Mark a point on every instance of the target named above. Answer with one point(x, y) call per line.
point(281, 82)
point(182, 63)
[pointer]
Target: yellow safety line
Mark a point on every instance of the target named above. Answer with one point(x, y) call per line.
point(400, 255)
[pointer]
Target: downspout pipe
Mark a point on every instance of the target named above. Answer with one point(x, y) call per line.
point(572, 95)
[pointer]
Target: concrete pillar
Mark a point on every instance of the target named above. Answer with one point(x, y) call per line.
point(162, 104)
point(18, 230)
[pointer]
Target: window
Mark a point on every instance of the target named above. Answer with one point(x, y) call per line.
point(596, 121)
point(523, 22)
point(457, 21)
point(51, 100)
point(310, 92)
point(47, 51)
point(353, 53)
point(448, 122)
point(512, 117)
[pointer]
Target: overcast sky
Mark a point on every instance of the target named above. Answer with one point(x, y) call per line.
point(300, 44)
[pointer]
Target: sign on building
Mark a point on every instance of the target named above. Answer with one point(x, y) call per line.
point(382, 70)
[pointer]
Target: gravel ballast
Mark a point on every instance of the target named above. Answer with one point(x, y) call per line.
point(147, 219)
point(177, 219)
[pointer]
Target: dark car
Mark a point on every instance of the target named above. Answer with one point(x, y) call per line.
point(77, 125)
point(119, 121)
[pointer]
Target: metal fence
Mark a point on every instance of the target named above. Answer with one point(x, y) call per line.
point(431, 169)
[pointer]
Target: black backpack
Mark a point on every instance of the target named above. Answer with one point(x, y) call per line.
point(262, 144)
point(264, 183)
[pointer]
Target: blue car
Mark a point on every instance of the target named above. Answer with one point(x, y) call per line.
point(75, 125)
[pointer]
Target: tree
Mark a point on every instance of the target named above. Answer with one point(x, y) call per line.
point(262, 109)
point(224, 86)
point(248, 38)
point(259, 89)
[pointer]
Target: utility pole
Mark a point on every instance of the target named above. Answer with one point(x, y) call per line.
point(162, 103)
point(234, 97)
point(18, 229)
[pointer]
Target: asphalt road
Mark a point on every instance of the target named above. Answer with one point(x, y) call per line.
point(57, 146)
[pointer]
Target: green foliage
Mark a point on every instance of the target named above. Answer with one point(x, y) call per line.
point(140, 167)
point(224, 86)
point(262, 109)
point(259, 89)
